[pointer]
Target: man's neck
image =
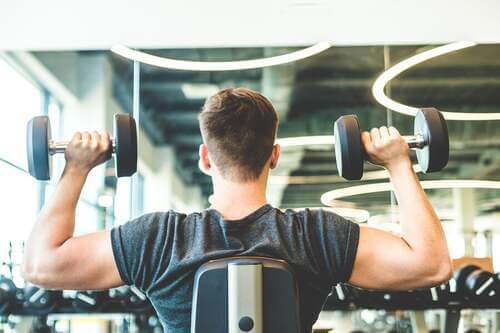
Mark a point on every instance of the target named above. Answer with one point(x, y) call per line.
point(235, 201)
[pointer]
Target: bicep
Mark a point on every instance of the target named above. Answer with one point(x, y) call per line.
point(86, 262)
point(384, 261)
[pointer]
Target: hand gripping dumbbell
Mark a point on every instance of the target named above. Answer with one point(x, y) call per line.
point(430, 140)
point(40, 146)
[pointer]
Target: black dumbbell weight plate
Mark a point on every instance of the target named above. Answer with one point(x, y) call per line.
point(125, 145)
point(130, 298)
point(40, 301)
point(7, 294)
point(461, 275)
point(340, 297)
point(348, 149)
point(37, 143)
point(482, 285)
point(431, 124)
point(89, 300)
point(438, 295)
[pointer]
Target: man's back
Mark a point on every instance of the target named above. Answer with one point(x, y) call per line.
point(161, 252)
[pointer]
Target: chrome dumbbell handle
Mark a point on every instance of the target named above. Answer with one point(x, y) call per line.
point(415, 141)
point(59, 147)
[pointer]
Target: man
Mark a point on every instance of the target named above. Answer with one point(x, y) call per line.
point(160, 252)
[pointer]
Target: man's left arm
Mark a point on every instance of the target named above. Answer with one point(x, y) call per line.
point(54, 257)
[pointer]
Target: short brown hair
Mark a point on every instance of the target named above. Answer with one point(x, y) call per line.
point(239, 126)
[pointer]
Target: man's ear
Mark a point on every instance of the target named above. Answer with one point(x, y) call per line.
point(275, 155)
point(204, 161)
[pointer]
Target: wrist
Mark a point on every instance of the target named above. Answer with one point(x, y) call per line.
point(75, 171)
point(398, 166)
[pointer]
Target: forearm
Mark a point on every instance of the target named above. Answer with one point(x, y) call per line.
point(420, 226)
point(56, 222)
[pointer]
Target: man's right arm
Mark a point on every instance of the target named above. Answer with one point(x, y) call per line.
point(418, 257)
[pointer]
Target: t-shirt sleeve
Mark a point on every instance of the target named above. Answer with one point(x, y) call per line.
point(334, 241)
point(141, 249)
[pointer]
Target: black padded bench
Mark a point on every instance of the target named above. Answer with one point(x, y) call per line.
point(245, 294)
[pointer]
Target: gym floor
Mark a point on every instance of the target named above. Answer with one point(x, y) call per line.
point(81, 87)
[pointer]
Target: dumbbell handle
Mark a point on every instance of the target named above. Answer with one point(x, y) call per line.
point(59, 147)
point(415, 141)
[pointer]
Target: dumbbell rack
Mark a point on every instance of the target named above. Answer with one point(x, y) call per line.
point(445, 297)
point(342, 298)
point(69, 304)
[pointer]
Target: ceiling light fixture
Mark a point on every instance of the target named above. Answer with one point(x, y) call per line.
point(199, 90)
point(380, 83)
point(328, 198)
point(186, 65)
point(306, 140)
point(305, 180)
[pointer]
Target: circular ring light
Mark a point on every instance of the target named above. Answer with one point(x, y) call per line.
point(380, 83)
point(186, 65)
point(300, 180)
point(328, 198)
point(306, 140)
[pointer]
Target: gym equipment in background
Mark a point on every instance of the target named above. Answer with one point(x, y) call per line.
point(8, 292)
point(89, 301)
point(40, 301)
point(130, 297)
point(478, 285)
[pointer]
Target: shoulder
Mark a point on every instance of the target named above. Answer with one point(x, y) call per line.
point(153, 221)
point(158, 224)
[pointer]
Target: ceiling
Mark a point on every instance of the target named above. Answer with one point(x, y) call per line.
point(310, 94)
point(98, 25)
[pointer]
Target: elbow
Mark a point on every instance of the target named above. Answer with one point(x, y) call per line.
point(34, 273)
point(28, 271)
point(439, 272)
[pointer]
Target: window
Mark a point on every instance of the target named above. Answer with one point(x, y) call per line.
point(126, 205)
point(20, 100)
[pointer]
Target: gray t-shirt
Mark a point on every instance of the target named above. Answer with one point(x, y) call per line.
point(160, 253)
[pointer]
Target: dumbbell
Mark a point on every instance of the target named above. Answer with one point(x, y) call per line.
point(88, 301)
point(462, 273)
point(430, 140)
point(40, 301)
point(8, 292)
point(131, 298)
point(341, 297)
point(477, 284)
point(435, 297)
point(483, 286)
point(40, 146)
